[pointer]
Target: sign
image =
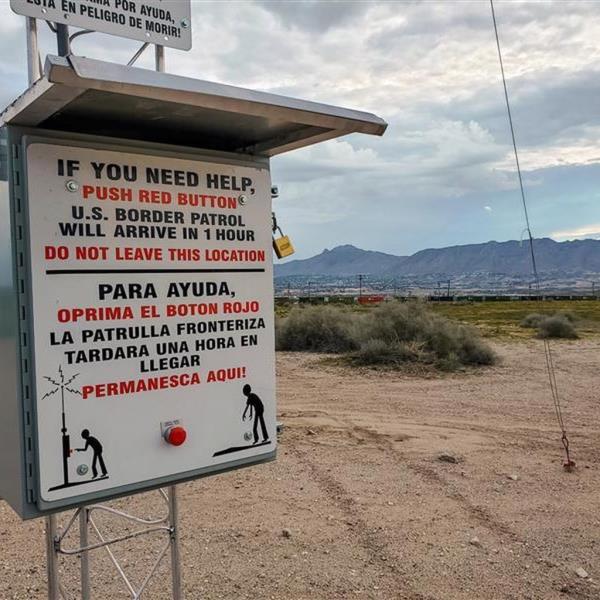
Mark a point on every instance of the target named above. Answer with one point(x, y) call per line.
point(154, 21)
point(153, 320)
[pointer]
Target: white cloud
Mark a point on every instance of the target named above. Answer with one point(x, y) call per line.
point(586, 231)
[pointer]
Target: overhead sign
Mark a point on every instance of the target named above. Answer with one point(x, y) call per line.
point(154, 21)
point(153, 323)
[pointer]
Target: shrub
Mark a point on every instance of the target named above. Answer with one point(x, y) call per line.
point(377, 352)
point(557, 326)
point(390, 334)
point(473, 350)
point(316, 329)
point(438, 338)
point(571, 317)
point(532, 320)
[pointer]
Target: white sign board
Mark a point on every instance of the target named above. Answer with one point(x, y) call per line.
point(152, 299)
point(167, 23)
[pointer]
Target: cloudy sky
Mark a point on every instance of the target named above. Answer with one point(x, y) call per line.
point(443, 173)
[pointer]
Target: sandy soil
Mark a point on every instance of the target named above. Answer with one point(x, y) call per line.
point(371, 511)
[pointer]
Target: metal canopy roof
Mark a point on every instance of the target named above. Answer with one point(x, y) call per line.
point(89, 96)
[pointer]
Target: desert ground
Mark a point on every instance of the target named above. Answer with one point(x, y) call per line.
point(359, 505)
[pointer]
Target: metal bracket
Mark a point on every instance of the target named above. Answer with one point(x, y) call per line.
point(63, 42)
point(18, 185)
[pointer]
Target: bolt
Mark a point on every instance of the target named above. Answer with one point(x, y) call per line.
point(242, 199)
point(185, 23)
point(72, 185)
point(82, 469)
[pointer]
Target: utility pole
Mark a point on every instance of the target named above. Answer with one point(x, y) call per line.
point(448, 292)
point(360, 282)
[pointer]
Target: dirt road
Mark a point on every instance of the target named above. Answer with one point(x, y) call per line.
point(368, 508)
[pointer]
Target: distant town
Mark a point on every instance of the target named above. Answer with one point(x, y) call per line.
point(565, 268)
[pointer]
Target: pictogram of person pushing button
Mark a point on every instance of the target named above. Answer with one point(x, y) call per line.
point(96, 446)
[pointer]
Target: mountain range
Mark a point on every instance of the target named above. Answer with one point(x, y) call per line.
point(510, 258)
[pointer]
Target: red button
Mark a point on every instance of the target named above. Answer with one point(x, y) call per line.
point(175, 435)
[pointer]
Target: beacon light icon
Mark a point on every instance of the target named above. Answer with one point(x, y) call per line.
point(63, 385)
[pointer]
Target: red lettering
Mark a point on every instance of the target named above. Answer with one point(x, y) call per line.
point(56, 252)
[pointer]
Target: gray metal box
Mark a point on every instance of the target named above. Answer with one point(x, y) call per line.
point(82, 111)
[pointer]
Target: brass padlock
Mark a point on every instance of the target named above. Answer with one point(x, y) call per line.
point(282, 244)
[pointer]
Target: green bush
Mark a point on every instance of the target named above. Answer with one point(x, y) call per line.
point(557, 326)
point(472, 349)
point(377, 352)
point(568, 315)
point(532, 320)
point(391, 334)
point(316, 329)
point(438, 338)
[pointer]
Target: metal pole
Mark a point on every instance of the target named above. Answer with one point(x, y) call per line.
point(137, 54)
point(33, 58)
point(62, 40)
point(85, 555)
point(52, 559)
point(159, 55)
point(175, 558)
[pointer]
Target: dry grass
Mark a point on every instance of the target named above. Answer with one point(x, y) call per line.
point(502, 319)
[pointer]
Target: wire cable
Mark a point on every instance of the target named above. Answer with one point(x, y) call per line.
point(550, 368)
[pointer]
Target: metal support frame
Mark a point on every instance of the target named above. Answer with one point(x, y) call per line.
point(175, 558)
point(52, 559)
point(63, 44)
point(166, 524)
point(138, 54)
point(34, 61)
point(34, 66)
point(159, 56)
point(84, 542)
